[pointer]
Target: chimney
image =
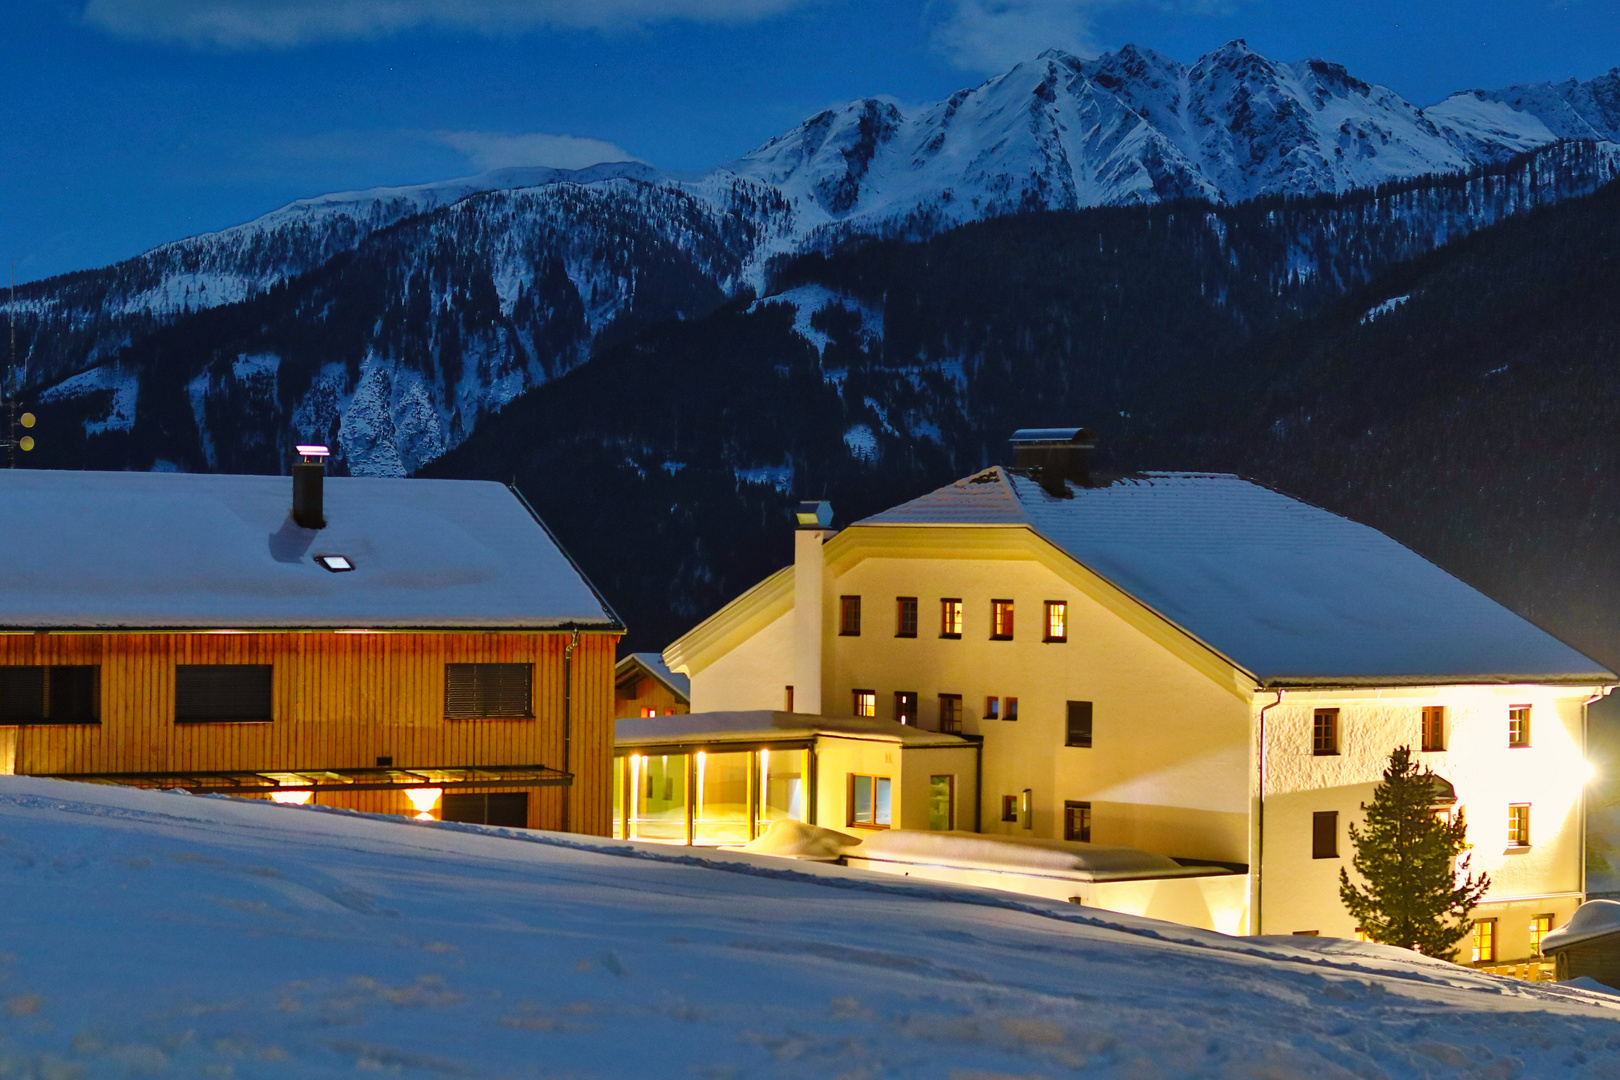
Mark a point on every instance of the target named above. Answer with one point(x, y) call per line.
point(308, 508)
point(809, 603)
point(1054, 457)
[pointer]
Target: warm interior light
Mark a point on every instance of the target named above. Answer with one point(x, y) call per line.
point(423, 799)
point(1589, 772)
point(292, 798)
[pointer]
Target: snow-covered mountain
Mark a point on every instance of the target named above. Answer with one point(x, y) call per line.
point(566, 255)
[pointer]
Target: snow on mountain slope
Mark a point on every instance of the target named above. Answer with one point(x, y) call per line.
point(162, 934)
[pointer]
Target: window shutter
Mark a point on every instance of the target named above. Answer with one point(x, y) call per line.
point(222, 693)
point(75, 694)
point(22, 695)
point(488, 691)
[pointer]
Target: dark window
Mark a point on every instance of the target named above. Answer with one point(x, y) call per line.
point(950, 712)
point(222, 693)
point(1325, 834)
point(1010, 712)
point(849, 616)
point(1057, 620)
point(1009, 808)
point(1079, 728)
point(905, 706)
point(1325, 733)
point(1519, 726)
point(508, 809)
point(992, 708)
point(487, 691)
point(1434, 728)
point(50, 695)
point(950, 618)
point(1077, 821)
point(787, 699)
point(905, 616)
point(869, 801)
point(1001, 620)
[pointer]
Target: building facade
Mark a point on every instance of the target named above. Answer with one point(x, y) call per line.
point(644, 686)
point(426, 650)
point(1189, 665)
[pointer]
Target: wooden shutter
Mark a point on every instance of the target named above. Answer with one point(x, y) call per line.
point(1325, 834)
point(222, 693)
point(22, 695)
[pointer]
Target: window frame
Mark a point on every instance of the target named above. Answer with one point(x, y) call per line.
point(849, 616)
point(1072, 734)
point(1538, 932)
point(1002, 621)
point(456, 713)
point(1325, 738)
point(1518, 727)
point(1061, 609)
point(950, 799)
point(851, 810)
point(1488, 954)
point(1009, 808)
point(1518, 825)
point(1433, 731)
point(951, 613)
point(48, 714)
point(992, 707)
point(906, 615)
point(870, 703)
point(1009, 709)
point(269, 715)
point(1072, 808)
point(901, 699)
point(952, 724)
point(1324, 840)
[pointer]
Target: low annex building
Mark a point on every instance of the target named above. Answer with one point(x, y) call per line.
point(1188, 664)
point(416, 647)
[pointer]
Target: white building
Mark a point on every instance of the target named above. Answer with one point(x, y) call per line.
point(1188, 664)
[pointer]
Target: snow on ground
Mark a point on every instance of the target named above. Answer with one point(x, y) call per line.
point(157, 934)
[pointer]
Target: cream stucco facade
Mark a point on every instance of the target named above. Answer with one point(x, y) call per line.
point(1190, 755)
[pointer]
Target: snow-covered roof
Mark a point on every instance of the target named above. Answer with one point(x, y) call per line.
point(653, 664)
point(762, 725)
point(1287, 591)
point(1592, 920)
point(1024, 855)
point(89, 550)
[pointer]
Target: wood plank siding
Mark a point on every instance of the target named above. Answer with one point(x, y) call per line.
point(339, 701)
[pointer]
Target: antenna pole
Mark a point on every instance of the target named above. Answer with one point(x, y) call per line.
point(11, 374)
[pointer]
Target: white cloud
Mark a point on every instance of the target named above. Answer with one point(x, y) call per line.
point(495, 150)
point(993, 35)
point(246, 24)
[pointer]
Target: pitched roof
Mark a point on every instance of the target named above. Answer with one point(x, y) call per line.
point(653, 664)
point(1289, 592)
point(89, 550)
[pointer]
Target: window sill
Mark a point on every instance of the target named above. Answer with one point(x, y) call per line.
point(903, 635)
point(950, 637)
point(1055, 641)
point(1516, 849)
point(1001, 637)
point(50, 723)
point(867, 825)
point(525, 716)
point(199, 723)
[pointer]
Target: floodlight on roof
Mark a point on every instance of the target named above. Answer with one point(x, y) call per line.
point(335, 563)
point(313, 450)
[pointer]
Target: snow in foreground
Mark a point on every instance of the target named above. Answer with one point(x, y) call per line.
point(156, 934)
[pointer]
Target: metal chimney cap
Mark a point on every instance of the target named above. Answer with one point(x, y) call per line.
point(1054, 436)
point(313, 451)
point(814, 515)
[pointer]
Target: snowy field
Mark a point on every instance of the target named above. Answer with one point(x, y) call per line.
point(155, 934)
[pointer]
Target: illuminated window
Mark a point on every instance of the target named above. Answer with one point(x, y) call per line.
point(782, 786)
point(942, 803)
point(648, 710)
point(657, 807)
point(1325, 733)
point(33, 694)
point(1325, 834)
point(1057, 620)
point(950, 618)
point(487, 691)
point(905, 616)
point(1361, 935)
point(1484, 941)
point(1519, 726)
point(950, 713)
point(1010, 711)
point(1519, 825)
point(1009, 808)
point(865, 702)
point(869, 801)
point(1078, 731)
point(1434, 728)
point(849, 616)
point(1540, 926)
point(992, 708)
point(1077, 821)
point(722, 798)
point(905, 706)
point(1001, 620)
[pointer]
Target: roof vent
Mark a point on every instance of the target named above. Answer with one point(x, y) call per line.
point(1054, 456)
point(308, 508)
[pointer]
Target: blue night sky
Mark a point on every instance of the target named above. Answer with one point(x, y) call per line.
point(127, 123)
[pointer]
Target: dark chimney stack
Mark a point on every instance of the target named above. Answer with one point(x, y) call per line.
point(1055, 457)
point(308, 509)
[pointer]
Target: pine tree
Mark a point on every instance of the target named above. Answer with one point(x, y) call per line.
point(1417, 894)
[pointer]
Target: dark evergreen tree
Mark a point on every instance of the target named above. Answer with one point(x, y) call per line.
point(1418, 895)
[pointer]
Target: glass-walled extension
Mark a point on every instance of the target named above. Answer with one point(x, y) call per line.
point(710, 798)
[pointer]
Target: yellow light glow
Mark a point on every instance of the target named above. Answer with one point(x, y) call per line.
point(423, 799)
point(292, 798)
point(1589, 772)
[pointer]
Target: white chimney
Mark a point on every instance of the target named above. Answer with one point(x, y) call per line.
point(809, 600)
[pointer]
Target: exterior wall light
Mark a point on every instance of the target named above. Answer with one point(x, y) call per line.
point(423, 799)
point(292, 798)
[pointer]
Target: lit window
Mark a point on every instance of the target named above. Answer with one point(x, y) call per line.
point(1540, 927)
point(1519, 825)
point(905, 616)
point(1077, 821)
point(992, 708)
point(1011, 710)
point(865, 702)
point(905, 706)
point(1325, 733)
point(1519, 726)
point(1057, 620)
point(849, 616)
point(869, 803)
point(1434, 728)
point(950, 618)
point(1001, 620)
point(1484, 941)
point(1361, 935)
point(335, 563)
point(648, 710)
point(950, 713)
point(942, 803)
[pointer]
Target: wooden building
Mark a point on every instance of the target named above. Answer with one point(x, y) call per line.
point(644, 686)
point(1589, 945)
point(418, 647)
